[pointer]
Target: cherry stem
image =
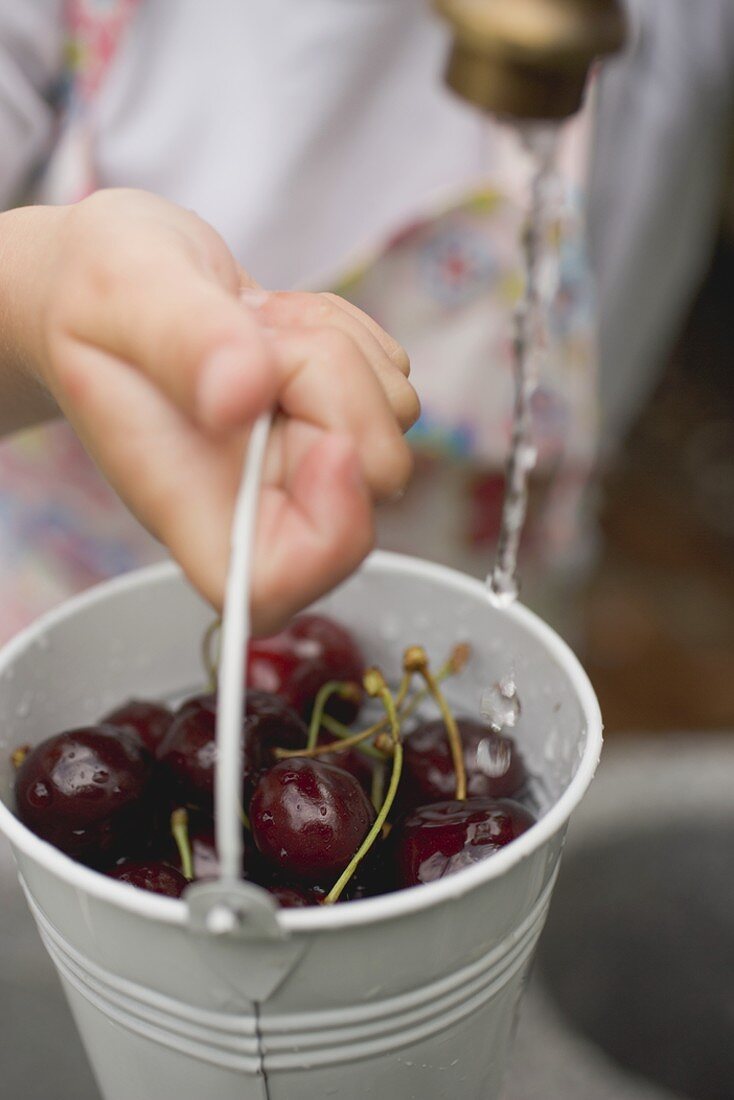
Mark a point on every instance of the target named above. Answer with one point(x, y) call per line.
point(340, 731)
point(180, 830)
point(211, 662)
point(378, 786)
point(345, 690)
point(333, 746)
point(416, 660)
point(349, 739)
point(17, 757)
point(375, 686)
point(452, 666)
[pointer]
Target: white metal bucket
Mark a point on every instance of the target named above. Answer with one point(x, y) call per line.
point(410, 995)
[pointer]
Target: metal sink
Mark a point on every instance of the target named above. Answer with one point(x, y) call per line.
point(635, 971)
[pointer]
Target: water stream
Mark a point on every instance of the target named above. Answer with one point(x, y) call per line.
point(541, 143)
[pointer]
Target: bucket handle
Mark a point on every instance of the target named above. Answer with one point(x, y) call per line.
point(230, 906)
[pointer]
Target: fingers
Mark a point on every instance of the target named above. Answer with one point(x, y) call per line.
point(315, 514)
point(326, 382)
point(143, 291)
point(315, 529)
point(397, 353)
point(385, 356)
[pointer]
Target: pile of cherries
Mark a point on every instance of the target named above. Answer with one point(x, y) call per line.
point(328, 812)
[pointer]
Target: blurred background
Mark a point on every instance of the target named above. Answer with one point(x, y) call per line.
point(657, 633)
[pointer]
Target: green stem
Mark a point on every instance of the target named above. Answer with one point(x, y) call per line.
point(378, 785)
point(352, 741)
point(342, 732)
point(451, 667)
point(180, 830)
point(211, 663)
point(397, 767)
point(375, 686)
point(416, 660)
point(344, 690)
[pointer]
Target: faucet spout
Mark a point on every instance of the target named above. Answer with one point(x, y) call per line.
point(529, 59)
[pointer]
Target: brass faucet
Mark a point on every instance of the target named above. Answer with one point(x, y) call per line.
point(529, 59)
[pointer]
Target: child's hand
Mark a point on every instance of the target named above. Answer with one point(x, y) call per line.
point(132, 312)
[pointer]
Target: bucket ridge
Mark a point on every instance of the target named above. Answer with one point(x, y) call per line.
point(239, 1041)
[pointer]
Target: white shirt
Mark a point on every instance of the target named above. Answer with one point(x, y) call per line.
point(302, 129)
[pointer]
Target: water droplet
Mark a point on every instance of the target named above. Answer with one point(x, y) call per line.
point(500, 705)
point(493, 757)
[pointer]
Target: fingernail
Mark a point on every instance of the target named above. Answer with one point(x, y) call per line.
point(254, 296)
point(220, 377)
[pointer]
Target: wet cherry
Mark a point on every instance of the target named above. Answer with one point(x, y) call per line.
point(309, 818)
point(299, 660)
point(87, 791)
point(149, 720)
point(188, 752)
point(293, 897)
point(152, 875)
point(351, 760)
point(439, 839)
point(494, 767)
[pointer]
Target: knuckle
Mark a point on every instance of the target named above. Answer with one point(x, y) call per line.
point(298, 307)
point(337, 347)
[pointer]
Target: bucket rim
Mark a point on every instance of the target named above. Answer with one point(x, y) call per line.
point(401, 903)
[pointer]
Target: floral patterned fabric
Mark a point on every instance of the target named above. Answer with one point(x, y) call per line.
point(445, 285)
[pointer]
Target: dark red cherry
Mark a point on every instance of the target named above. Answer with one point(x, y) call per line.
point(351, 760)
point(293, 897)
point(149, 720)
point(152, 875)
point(87, 791)
point(309, 818)
point(188, 752)
point(303, 657)
point(375, 873)
point(494, 767)
point(204, 854)
point(437, 840)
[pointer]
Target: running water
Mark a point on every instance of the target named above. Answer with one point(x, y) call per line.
point(540, 142)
